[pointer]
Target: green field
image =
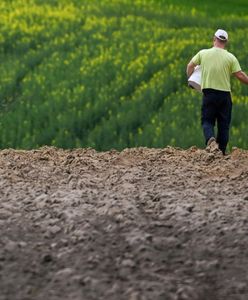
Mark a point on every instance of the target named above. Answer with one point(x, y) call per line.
point(111, 73)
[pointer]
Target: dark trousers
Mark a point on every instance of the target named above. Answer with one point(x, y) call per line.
point(216, 106)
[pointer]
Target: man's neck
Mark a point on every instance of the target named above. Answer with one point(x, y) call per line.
point(219, 45)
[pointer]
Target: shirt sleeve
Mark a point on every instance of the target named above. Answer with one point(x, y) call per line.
point(235, 65)
point(197, 59)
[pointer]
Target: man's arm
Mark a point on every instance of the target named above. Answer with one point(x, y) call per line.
point(241, 76)
point(190, 68)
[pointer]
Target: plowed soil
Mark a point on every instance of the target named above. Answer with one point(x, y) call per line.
point(140, 224)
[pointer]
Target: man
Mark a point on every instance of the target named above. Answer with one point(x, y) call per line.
point(217, 66)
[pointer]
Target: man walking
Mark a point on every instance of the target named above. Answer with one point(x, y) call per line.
point(217, 66)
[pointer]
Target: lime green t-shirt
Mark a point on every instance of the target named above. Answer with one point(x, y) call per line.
point(217, 65)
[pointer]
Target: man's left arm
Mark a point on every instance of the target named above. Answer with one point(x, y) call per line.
point(190, 68)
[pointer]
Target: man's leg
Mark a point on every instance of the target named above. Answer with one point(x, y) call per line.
point(224, 120)
point(208, 115)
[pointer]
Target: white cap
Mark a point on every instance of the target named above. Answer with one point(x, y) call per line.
point(221, 34)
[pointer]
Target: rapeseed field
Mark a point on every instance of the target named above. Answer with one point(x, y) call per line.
point(111, 73)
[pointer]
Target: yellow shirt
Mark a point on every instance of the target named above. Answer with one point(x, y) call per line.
point(217, 65)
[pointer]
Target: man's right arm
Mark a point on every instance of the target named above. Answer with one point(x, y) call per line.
point(241, 76)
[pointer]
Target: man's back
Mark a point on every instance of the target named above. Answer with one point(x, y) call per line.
point(217, 65)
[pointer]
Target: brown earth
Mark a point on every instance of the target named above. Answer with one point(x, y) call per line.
point(159, 224)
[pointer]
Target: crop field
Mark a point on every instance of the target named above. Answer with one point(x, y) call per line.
point(111, 73)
